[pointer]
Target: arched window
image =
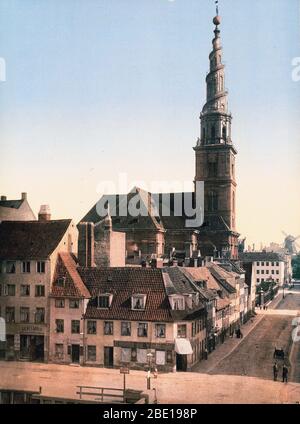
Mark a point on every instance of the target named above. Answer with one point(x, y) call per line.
point(221, 83)
point(213, 201)
point(203, 134)
point(213, 132)
point(224, 132)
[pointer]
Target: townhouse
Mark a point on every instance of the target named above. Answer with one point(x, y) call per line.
point(28, 256)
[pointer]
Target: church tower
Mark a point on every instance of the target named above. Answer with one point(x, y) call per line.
point(215, 162)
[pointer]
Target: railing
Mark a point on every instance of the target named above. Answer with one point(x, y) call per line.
point(104, 394)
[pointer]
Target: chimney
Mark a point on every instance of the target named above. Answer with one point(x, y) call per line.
point(24, 196)
point(86, 244)
point(3, 198)
point(44, 213)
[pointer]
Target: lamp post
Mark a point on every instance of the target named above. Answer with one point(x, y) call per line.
point(149, 359)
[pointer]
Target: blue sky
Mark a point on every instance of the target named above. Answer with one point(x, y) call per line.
point(98, 87)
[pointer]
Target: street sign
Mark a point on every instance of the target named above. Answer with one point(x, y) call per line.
point(124, 370)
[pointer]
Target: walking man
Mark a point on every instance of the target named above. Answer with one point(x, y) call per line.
point(285, 373)
point(275, 371)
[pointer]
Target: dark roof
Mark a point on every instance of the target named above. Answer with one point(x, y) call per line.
point(179, 282)
point(66, 269)
point(122, 283)
point(260, 256)
point(163, 203)
point(30, 239)
point(222, 276)
point(15, 204)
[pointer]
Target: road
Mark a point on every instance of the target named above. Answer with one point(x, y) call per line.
point(254, 355)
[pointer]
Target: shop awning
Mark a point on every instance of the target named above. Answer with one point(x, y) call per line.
point(183, 347)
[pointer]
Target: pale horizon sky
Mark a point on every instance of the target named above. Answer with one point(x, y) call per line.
point(95, 88)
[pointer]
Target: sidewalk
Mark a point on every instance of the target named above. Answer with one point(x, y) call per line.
point(230, 344)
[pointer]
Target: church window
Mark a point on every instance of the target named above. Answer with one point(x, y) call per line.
point(212, 169)
point(221, 83)
point(224, 132)
point(212, 201)
point(213, 132)
point(203, 134)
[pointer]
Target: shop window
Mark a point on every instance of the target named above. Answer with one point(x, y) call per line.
point(125, 354)
point(160, 357)
point(142, 356)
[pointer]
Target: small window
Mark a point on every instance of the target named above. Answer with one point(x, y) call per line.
point(11, 267)
point(10, 314)
point(25, 290)
point(40, 315)
point(92, 327)
point(75, 327)
point(41, 267)
point(138, 302)
point(104, 301)
point(59, 325)
point(181, 330)
point(91, 353)
point(59, 303)
point(258, 271)
point(277, 263)
point(73, 303)
point(178, 304)
point(11, 289)
point(60, 282)
point(142, 329)
point(160, 330)
point(108, 328)
point(24, 314)
point(26, 267)
point(39, 291)
point(258, 280)
point(262, 264)
point(125, 328)
point(267, 263)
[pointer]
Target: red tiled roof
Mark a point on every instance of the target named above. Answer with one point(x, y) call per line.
point(122, 283)
point(74, 287)
point(30, 239)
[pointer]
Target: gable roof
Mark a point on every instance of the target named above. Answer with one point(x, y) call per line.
point(223, 277)
point(30, 239)
point(159, 211)
point(66, 268)
point(122, 283)
point(203, 274)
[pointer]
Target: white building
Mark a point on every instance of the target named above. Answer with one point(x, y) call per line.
point(266, 266)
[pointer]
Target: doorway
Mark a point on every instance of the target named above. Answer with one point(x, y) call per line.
point(181, 362)
point(32, 347)
point(108, 357)
point(75, 354)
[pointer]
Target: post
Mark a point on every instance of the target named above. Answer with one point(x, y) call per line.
point(124, 381)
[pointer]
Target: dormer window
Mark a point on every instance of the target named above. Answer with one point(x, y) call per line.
point(104, 301)
point(138, 302)
point(178, 303)
point(60, 282)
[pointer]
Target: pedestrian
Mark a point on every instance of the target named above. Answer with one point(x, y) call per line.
point(285, 373)
point(275, 371)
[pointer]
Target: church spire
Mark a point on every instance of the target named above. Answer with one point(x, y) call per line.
point(215, 119)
